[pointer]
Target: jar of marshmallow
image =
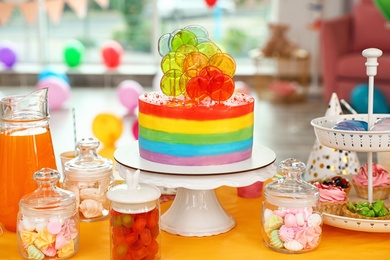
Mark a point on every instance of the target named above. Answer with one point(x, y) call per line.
point(291, 218)
point(89, 176)
point(48, 220)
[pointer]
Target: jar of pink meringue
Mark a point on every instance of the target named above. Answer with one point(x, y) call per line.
point(48, 220)
point(89, 176)
point(291, 219)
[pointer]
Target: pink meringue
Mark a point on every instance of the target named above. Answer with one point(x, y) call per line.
point(380, 177)
point(308, 237)
point(286, 234)
point(290, 220)
point(49, 251)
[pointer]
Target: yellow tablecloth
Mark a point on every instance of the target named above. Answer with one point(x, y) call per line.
point(244, 241)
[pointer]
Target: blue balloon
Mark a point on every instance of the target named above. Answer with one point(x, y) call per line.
point(359, 100)
point(48, 72)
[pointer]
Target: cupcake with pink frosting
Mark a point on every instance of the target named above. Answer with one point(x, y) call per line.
point(332, 198)
point(380, 182)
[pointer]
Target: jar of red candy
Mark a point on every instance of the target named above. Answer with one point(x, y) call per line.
point(134, 220)
point(48, 220)
point(291, 219)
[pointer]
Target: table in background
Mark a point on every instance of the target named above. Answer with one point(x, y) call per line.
point(244, 241)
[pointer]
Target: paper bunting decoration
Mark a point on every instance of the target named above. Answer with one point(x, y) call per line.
point(325, 161)
point(5, 12)
point(29, 11)
point(53, 8)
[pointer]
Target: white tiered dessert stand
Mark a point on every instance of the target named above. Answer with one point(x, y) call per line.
point(196, 210)
point(357, 141)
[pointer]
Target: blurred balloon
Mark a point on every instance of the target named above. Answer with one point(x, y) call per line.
point(128, 92)
point(211, 3)
point(135, 129)
point(384, 7)
point(48, 71)
point(359, 100)
point(107, 128)
point(7, 55)
point(112, 53)
point(59, 91)
point(74, 53)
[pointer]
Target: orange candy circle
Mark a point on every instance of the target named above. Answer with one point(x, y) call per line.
point(221, 87)
point(195, 61)
point(197, 88)
point(224, 62)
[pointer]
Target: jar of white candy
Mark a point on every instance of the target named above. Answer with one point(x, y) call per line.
point(89, 176)
point(291, 220)
point(48, 220)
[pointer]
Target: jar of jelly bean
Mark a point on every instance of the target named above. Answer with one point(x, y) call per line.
point(291, 218)
point(48, 220)
point(89, 176)
point(134, 220)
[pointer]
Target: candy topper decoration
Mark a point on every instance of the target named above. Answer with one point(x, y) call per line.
point(194, 66)
point(324, 161)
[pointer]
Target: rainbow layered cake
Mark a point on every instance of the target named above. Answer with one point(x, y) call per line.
point(197, 119)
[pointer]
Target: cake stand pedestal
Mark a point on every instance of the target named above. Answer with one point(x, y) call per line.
point(196, 210)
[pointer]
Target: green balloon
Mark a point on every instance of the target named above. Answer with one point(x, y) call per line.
point(73, 53)
point(384, 7)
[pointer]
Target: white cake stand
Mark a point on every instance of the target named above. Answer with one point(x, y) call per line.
point(196, 210)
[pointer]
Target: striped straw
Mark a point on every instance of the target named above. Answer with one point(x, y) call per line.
point(74, 129)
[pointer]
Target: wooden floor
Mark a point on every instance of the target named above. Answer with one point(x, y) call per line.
point(284, 128)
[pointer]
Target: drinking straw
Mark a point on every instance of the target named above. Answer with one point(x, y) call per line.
point(348, 106)
point(74, 129)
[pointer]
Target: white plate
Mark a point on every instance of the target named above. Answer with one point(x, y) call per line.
point(366, 225)
point(356, 224)
point(129, 156)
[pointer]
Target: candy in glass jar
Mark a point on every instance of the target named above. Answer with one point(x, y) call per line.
point(89, 176)
point(291, 218)
point(48, 220)
point(134, 220)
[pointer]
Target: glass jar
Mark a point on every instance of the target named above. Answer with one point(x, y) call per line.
point(26, 146)
point(89, 176)
point(134, 220)
point(48, 220)
point(291, 219)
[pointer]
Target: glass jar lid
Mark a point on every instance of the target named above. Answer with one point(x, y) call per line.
point(88, 163)
point(133, 197)
point(291, 191)
point(48, 199)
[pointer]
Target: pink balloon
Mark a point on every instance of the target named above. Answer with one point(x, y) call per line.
point(59, 91)
point(135, 129)
point(128, 92)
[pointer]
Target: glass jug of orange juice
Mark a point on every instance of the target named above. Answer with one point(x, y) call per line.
point(25, 147)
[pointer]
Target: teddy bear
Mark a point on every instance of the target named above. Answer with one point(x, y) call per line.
point(278, 44)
